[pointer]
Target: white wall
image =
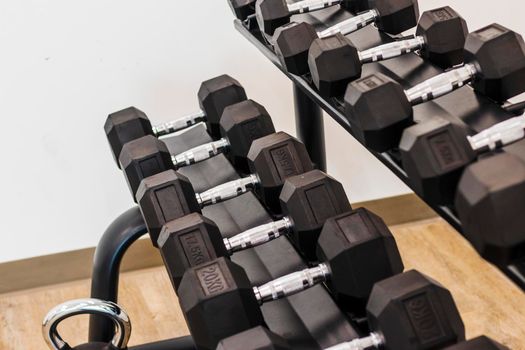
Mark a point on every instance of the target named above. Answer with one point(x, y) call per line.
point(64, 65)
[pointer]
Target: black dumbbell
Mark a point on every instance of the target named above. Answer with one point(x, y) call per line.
point(346, 245)
point(490, 203)
point(408, 311)
point(272, 14)
point(479, 343)
point(307, 201)
point(214, 95)
point(240, 124)
point(271, 158)
point(379, 109)
point(335, 61)
point(242, 9)
point(435, 153)
point(292, 41)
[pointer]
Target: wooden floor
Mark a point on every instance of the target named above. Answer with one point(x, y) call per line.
point(489, 303)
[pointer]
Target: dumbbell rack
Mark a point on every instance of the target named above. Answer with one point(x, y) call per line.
point(464, 104)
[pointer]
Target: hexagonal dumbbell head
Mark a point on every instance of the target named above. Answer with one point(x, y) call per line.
point(413, 312)
point(396, 16)
point(271, 14)
point(445, 32)
point(164, 197)
point(308, 200)
point(292, 43)
point(242, 9)
point(274, 158)
point(189, 241)
point(142, 158)
point(434, 155)
point(500, 55)
point(215, 95)
point(333, 63)
point(361, 251)
point(490, 203)
point(241, 124)
point(479, 343)
point(124, 126)
point(378, 110)
point(217, 301)
point(258, 338)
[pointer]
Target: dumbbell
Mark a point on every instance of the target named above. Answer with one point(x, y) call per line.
point(479, 343)
point(271, 158)
point(435, 153)
point(335, 61)
point(408, 311)
point(379, 109)
point(345, 247)
point(307, 201)
point(292, 41)
point(272, 14)
point(242, 9)
point(490, 202)
point(240, 124)
point(214, 95)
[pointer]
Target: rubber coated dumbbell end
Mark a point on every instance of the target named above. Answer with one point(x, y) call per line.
point(216, 94)
point(489, 201)
point(379, 109)
point(164, 197)
point(143, 157)
point(242, 9)
point(123, 126)
point(225, 291)
point(411, 311)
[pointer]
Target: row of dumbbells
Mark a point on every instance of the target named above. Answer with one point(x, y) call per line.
point(440, 156)
point(352, 251)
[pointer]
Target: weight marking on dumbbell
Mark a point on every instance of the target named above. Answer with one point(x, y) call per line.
point(445, 150)
point(211, 279)
point(441, 14)
point(283, 161)
point(194, 247)
point(423, 317)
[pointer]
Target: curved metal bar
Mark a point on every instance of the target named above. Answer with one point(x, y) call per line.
point(122, 232)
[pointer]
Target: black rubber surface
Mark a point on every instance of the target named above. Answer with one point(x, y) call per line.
point(308, 320)
point(477, 112)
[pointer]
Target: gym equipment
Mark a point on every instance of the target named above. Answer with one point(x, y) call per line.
point(347, 269)
point(272, 14)
point(87, 306)
point(307, 200)
point(242, 9)
point(408, 311)
point(214, 95)
point(240, 124)
point(292, 41)
point(379, 109)
point(479, 343)
point(272, 159)
point(435, 153)
point(490, 204)
point(335, 61)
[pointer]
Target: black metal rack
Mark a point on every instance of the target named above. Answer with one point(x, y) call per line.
point(476, 111)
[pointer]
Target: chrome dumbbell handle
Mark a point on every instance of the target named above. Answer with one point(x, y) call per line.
point(391, 50)
point(442, 84)
point(374, 340)
point(200, 153)
point(178, 124)
point(86, 306)
point(291, 284)
point(499, 135)
point(310, 5)
point(350, 25)
point(258, 235)
point(227, 191)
